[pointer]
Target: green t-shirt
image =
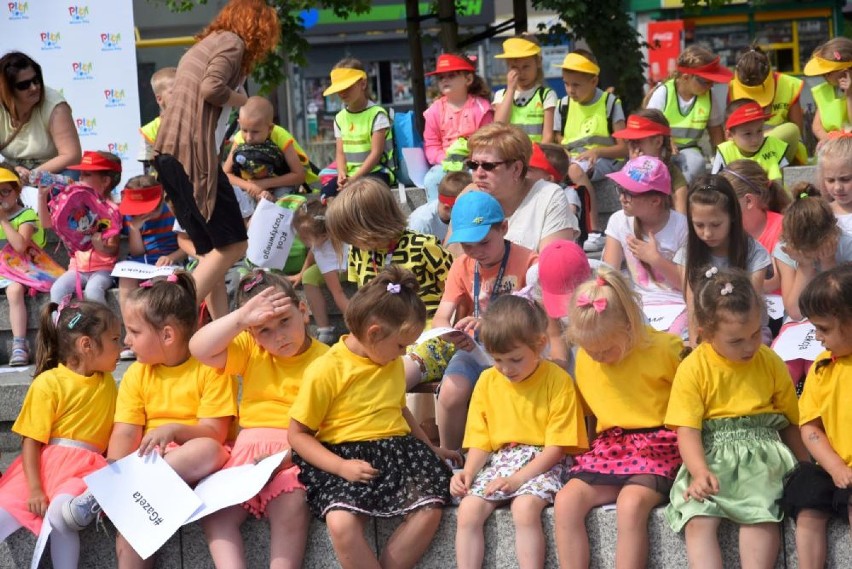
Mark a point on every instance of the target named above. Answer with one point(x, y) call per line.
point(27, 215)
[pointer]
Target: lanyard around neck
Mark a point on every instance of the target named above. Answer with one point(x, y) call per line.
point(495, 290)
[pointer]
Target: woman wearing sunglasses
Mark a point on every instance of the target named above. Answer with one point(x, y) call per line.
point(538, 212)
point(36, 127)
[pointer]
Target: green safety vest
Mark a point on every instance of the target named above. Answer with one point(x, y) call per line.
point(529, 117)
point(688, 128)
point(769, 156)
point(456, 154)
point(149, 131)
point(832, 111)
point(27, 215)
point(356, 131)
point(587, 126)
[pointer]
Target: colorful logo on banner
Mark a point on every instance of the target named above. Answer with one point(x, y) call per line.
point(18, 10)
point(114, 98)
point(86, 127)
point(82, 70)
point(110, 42)
point(120, 149)
point(78, 14)
point(49, 41)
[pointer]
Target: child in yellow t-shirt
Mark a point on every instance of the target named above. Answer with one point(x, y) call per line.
point(360, 451)
point(265, 341)
point(65, 424)
point(732, 403)
point(168, 401)
point(816, 491)
point(624, 373)
point(524, 418)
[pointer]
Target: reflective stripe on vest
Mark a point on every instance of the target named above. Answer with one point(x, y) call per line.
point(688, 128)
point(529, 117)
point(356, 131)
point(769, 156)
point(149, 131)
point(587, 126)
point(832, 110)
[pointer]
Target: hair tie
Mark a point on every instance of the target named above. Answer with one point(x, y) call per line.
point(319, 218)
point(63, 304)
point(394, 288)
point(172, 278)
point(804, 195)
point(744, 180)
point(146, 284)
point(599, 304)
point(727, 289)
point(837, 56)
point(256, 280)
point(599, 280)
point(710, 272)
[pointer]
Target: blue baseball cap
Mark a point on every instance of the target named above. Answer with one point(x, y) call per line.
point(472, 217)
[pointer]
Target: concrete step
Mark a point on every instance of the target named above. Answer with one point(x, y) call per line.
point(188, 549)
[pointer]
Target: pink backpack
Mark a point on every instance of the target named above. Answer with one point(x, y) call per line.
point(77, 213)
point(33, 268)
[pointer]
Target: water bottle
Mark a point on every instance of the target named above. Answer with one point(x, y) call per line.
point(44, 178)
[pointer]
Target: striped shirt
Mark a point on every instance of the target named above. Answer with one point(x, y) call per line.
point(157, 235)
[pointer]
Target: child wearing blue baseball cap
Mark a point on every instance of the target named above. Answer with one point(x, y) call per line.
point(491, 266)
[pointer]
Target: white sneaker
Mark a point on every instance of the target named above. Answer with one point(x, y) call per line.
point(81, 511)
point(594, 242)
point(127, 354)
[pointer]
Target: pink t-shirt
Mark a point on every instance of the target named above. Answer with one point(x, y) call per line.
point(445, 123)
point(91, 260)
point(771, 233)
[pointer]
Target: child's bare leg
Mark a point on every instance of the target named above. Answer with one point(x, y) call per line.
point(702, 543)
point(346, 531)
point(529, 535)
point(211, 271)
point(316, 300)
point(470, 530)
point(17, 309)
point(127, 556)
point(197, 458)
point(451, 410)
point(410, 540)
point(633, 507)
point(217, 301)
point(759, 545)
point(811, 546)
point(580, 178)
point(573, 503)
point(222, 530)
point(125, 287)
point(289, 520)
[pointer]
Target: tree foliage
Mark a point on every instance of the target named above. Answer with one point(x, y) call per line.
point(293, 46)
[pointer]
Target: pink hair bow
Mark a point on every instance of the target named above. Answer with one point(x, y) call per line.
point(599, 304)
point(172, 278)
point(258, 278)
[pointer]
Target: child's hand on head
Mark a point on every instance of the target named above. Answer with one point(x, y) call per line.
point(506, 485)
point(645, 251)
point(355, 470)
point(158, 438)
point(460, 484)
point(37, 503)
point(268, 304)
point(703, 485)
point(842, 476)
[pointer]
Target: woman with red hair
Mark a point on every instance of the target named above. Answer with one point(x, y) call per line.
point(192, 130)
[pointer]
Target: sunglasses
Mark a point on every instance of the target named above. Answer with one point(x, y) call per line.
point(24, 85)
point(473, 165)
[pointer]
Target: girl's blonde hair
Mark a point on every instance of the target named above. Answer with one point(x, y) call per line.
point(352, 63)
point(390, 300)
point(809, 221)
point(615, 318)
point(506, 140)
point(835, 49)
point(511, 321)
point(747, 177)
point(310, 218)
point(838, 148)
point(753, 66)
point(365, 213)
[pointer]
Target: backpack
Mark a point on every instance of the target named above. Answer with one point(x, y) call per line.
point(257, 161)
point(77, 213)
point(33, 268)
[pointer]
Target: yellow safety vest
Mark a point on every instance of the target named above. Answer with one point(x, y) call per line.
point(686, 128)
point(588, 126)
point(529, 117)
point(356, 131)
point(769, 156)
point(149, 131)
point(832, 111)
point(281, 138)
point(456, 154)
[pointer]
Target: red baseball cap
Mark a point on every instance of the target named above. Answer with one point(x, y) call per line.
point(539, 160)
point(749, 112)
point(139, 201)
point(641, 127)
point(562, 265)
point(448, 62)
point(712, 71)
point(94, 162)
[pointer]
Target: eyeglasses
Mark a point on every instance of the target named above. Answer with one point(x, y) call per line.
point(26, 84)
point(628, 194)
point(473, 165)
point(5, 191)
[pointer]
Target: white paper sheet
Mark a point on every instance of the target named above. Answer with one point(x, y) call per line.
point(415, 161)
point(662, 316)
point(141, 271)
point(270, 235)
point(774, 306)
point(145, 499)
point(480, 355)
point(234, 485)
point(798, 342)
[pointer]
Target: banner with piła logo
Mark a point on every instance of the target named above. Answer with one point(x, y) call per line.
point(87, 52)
